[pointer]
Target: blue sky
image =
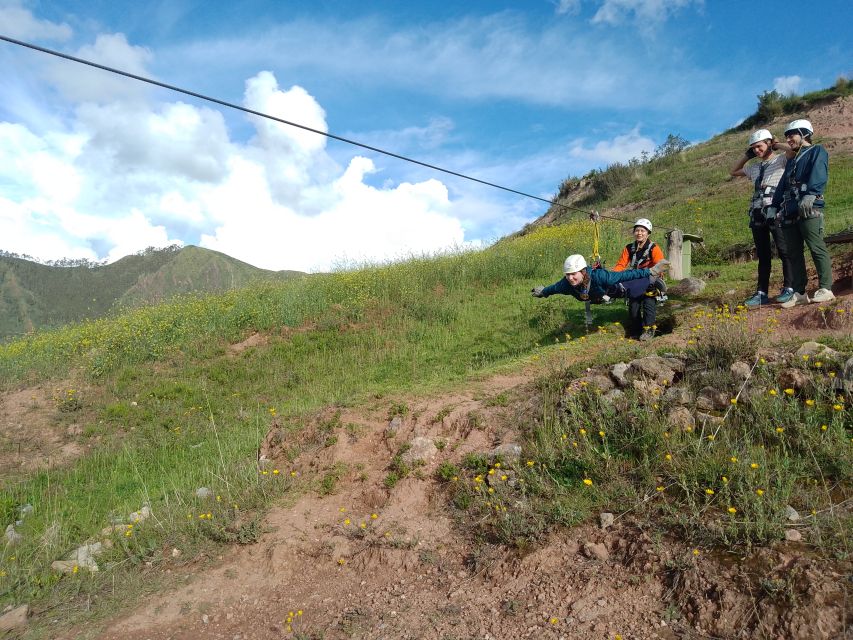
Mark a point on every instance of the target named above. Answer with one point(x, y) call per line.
point(523, 94)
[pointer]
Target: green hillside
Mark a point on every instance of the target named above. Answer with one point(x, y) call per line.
point(166, 398)
point(36, 296)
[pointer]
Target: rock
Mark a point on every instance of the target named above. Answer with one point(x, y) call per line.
point(420, 448)
point(846, 381)
point(679, 395)
point(791, 513)
point(594, 381)
point(393, 426)
point(688, 287)
point(614, 396)
point(203, 493)
point(113, 528)
point(650, 368)
point(138, 516)
point(15, 619)
point(607, 519)
point(12, 536)
point(680, 418)
point(176, 553)
point(26, 510)
point(596, 551)
point(792, 535)
point(795, 379)
point(709, 399)
point(647, 390)
point(508, 452)
point(740, 370)
point(617, 372)
point(816, 350)
point(703, 418)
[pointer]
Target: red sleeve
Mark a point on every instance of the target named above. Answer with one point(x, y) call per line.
point(622, 263)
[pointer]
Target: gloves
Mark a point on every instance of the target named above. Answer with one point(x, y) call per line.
point(750, 153)
point(537, 291)
point(659, 268)
point(807, 206)
point(771, 213)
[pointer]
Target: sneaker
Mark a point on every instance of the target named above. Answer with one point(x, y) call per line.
point(647, 335)
point(787, 294)
point(758, 299)
point(823, 295)
point(797, 298)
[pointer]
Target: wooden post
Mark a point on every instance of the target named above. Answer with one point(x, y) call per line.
point(674, 253)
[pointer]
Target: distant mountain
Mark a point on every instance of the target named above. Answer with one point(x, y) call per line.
point(38, 296)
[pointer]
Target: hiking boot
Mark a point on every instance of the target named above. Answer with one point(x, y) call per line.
point(758, 299)
point(787, 294)
point(647, 335)
point(797, 298)
point(823, 295)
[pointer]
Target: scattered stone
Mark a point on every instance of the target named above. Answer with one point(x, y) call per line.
point(617, 372)
point(680, 418)
point(647, 390)
point(15, 619)
point(176, 553)
point(26, 510)
point(816, 349)
point(791, 513)
point(12, 536)
point(679, 395)
point(114, 528)
point(138, 516)
point(203, 493)
point(650, 368)
point(614, 396)
point(795, 379)
point(709, 399)
point(393, 426)
point(596, 551)
point(508, 451)
point(607, 519)
point(846, 381)
point(592, 381)
point(792, 535)
point(740, 370)
point(688, 287)
point(420, 448)
point(205, 618)
point(708, 418)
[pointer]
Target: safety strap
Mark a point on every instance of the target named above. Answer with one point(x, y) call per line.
point(639, 257)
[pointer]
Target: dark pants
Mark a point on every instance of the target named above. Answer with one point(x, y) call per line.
point(761, 235)
point(642, 312)
point(810, 232)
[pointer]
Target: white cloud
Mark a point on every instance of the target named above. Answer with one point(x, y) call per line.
point(568, 6)
point(646, 12)
point(620, 149)
point(482, 58)
point(787, 85)
point(20, 24)
point(80, 83)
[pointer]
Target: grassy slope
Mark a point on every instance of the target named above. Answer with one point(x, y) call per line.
point(172, 410)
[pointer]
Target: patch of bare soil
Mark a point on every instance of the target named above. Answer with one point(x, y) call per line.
point(41, 427)
point(374, 562)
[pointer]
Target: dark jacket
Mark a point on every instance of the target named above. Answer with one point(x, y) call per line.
point(600, 281)
point(805, 174)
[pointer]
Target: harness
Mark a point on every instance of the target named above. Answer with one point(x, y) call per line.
point(763, 193)
point(636, 258)
point(795, 188)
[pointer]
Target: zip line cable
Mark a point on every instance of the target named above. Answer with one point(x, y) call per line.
point(594, 215)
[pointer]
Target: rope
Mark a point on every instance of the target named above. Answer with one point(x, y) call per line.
point(332, 136)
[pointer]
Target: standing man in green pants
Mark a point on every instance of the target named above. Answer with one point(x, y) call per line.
point(799, 198)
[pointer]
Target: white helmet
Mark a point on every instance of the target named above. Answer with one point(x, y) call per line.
point(803, 127)
point(574, 263)
point(758, 136)
point(643, 222)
